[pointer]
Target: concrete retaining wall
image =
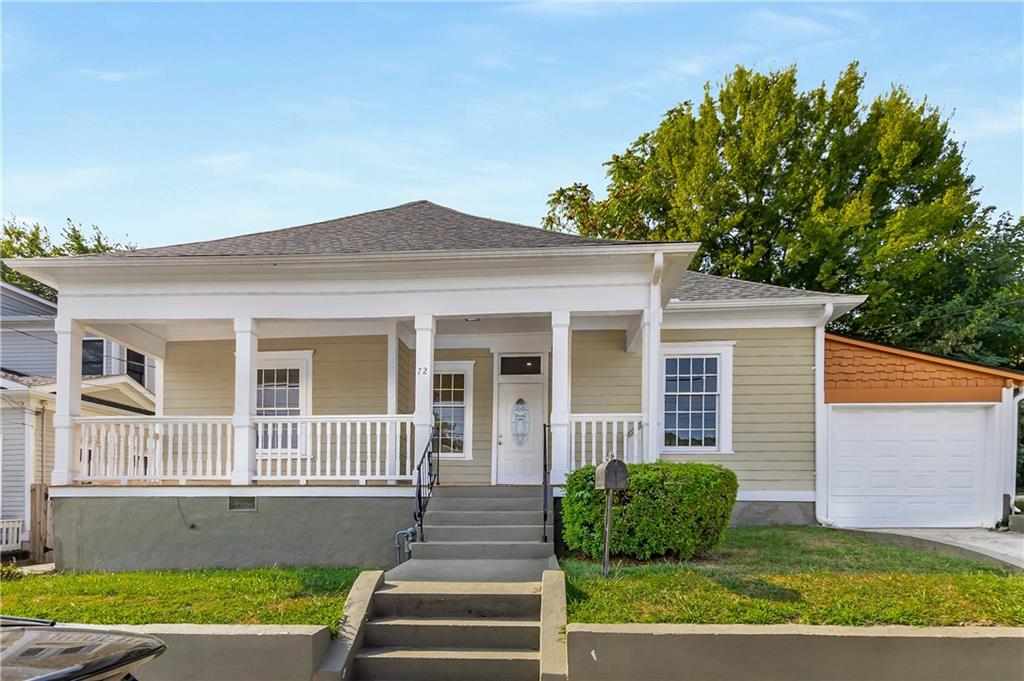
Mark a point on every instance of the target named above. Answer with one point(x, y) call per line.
point(146, 533)
point(223, 652)
point(651, 652)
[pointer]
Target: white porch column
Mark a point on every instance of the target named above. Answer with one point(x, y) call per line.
point(69, 399)
point(392, 405)
point(560, 378)
point(653, 411)
point(246, 340)
point(423, 415)
point(158, 385)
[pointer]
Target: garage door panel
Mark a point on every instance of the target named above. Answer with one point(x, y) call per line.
point(892, 466)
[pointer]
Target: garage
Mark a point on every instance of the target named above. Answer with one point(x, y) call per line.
point(916, 440)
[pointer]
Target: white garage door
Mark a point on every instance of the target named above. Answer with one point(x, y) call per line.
point(913, 466)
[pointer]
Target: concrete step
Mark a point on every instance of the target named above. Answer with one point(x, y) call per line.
point(441, 517)
point(483, 532)
point(460, 632)
point(488, 492)
point(482, 549)
point(485, 504)
point(458, 600)
point(447, 664)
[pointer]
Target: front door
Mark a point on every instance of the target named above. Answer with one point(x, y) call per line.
point(520, 433)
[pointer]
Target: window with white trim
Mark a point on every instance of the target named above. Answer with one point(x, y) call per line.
point(697, 390)
point(453, 409)
point(283, 388)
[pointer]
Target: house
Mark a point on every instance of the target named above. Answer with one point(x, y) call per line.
point(305, 377)
point(111, 387)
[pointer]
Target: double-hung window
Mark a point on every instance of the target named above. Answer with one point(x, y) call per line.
point(453, 409)
point(283, 389)
point(92, 357)
point(697, 383)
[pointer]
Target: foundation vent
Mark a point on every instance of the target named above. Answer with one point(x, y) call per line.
point(243, 504)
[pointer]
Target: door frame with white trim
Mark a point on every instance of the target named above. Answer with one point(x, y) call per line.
point(541, 378)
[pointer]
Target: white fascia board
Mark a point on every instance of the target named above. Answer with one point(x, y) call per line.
point(764, 313)
point(113, 491)
point(50, 270)
point(380, 304)
point(130, 336)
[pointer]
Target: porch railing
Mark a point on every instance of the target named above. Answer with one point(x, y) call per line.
point(10, 535)
point(358, 448)
point(594, 437)
point(155, 448)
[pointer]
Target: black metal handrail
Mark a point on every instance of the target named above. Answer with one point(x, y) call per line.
point(547, 483)
point(433, 474)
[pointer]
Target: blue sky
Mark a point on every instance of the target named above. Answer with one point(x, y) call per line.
point(176, 122)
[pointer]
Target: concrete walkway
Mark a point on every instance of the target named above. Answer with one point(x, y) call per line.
point(1005, 547)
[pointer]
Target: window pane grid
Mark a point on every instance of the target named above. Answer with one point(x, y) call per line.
point(691, 401)
point(449, 413)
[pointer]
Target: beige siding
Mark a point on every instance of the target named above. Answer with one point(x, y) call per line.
point(199, 378)
point(349, 374)
point(478, 469)
point(605, 378)
point(773, 406)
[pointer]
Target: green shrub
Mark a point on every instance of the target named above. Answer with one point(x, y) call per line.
point(668, 509)
point(10, 572)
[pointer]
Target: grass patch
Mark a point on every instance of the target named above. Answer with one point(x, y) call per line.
point(254, 596)
point(802, 575)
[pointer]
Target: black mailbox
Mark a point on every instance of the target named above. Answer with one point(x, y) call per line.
point(610, 475)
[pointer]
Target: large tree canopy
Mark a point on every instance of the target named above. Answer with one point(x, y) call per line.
point(816, 189)
point(24, 240)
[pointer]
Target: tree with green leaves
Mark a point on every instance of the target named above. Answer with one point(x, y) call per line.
point(817, 189)
point(24, 240)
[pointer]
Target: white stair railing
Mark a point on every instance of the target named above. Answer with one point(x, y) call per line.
point(595, 437)
point(358, 448)
point(154, 448)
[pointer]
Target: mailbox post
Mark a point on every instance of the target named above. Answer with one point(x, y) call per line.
point(610, 476)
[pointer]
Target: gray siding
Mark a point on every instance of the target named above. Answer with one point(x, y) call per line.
point(35, 354)
point(14, 304)
point(12, 484)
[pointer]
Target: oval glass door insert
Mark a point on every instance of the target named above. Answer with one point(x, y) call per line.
point(520, 421)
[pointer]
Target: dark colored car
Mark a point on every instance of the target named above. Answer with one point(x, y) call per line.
point(44, 651)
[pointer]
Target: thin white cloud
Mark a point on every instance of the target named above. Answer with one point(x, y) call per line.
point(1004, 119)
point(111, 76)
point(224, 161)
point(50, 186)
point(572, 9)
point(765, 21)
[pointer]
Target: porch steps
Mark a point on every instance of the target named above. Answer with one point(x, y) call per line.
point(474, 533)
point(452, 631)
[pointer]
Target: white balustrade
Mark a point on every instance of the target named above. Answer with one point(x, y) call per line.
point(311, 448)
point(10, 535)
point(154, 448)
point(595, 437)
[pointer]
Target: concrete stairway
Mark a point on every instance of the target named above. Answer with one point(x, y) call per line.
point(452, 631)
point(481, 534)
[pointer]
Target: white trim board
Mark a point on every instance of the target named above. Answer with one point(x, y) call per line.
point(230, 491)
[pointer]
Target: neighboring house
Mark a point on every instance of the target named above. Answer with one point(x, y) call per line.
point(28, 351)
point(300, 373)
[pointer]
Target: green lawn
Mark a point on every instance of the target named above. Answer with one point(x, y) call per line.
point(804, 575)
point(257, 596)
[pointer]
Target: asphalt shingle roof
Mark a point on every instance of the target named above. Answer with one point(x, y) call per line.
point(695, 286)
point(416, 226)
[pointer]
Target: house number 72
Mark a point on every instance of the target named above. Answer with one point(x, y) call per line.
point(422, 371)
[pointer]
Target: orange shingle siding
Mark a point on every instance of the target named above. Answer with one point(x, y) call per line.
point(862, 374)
